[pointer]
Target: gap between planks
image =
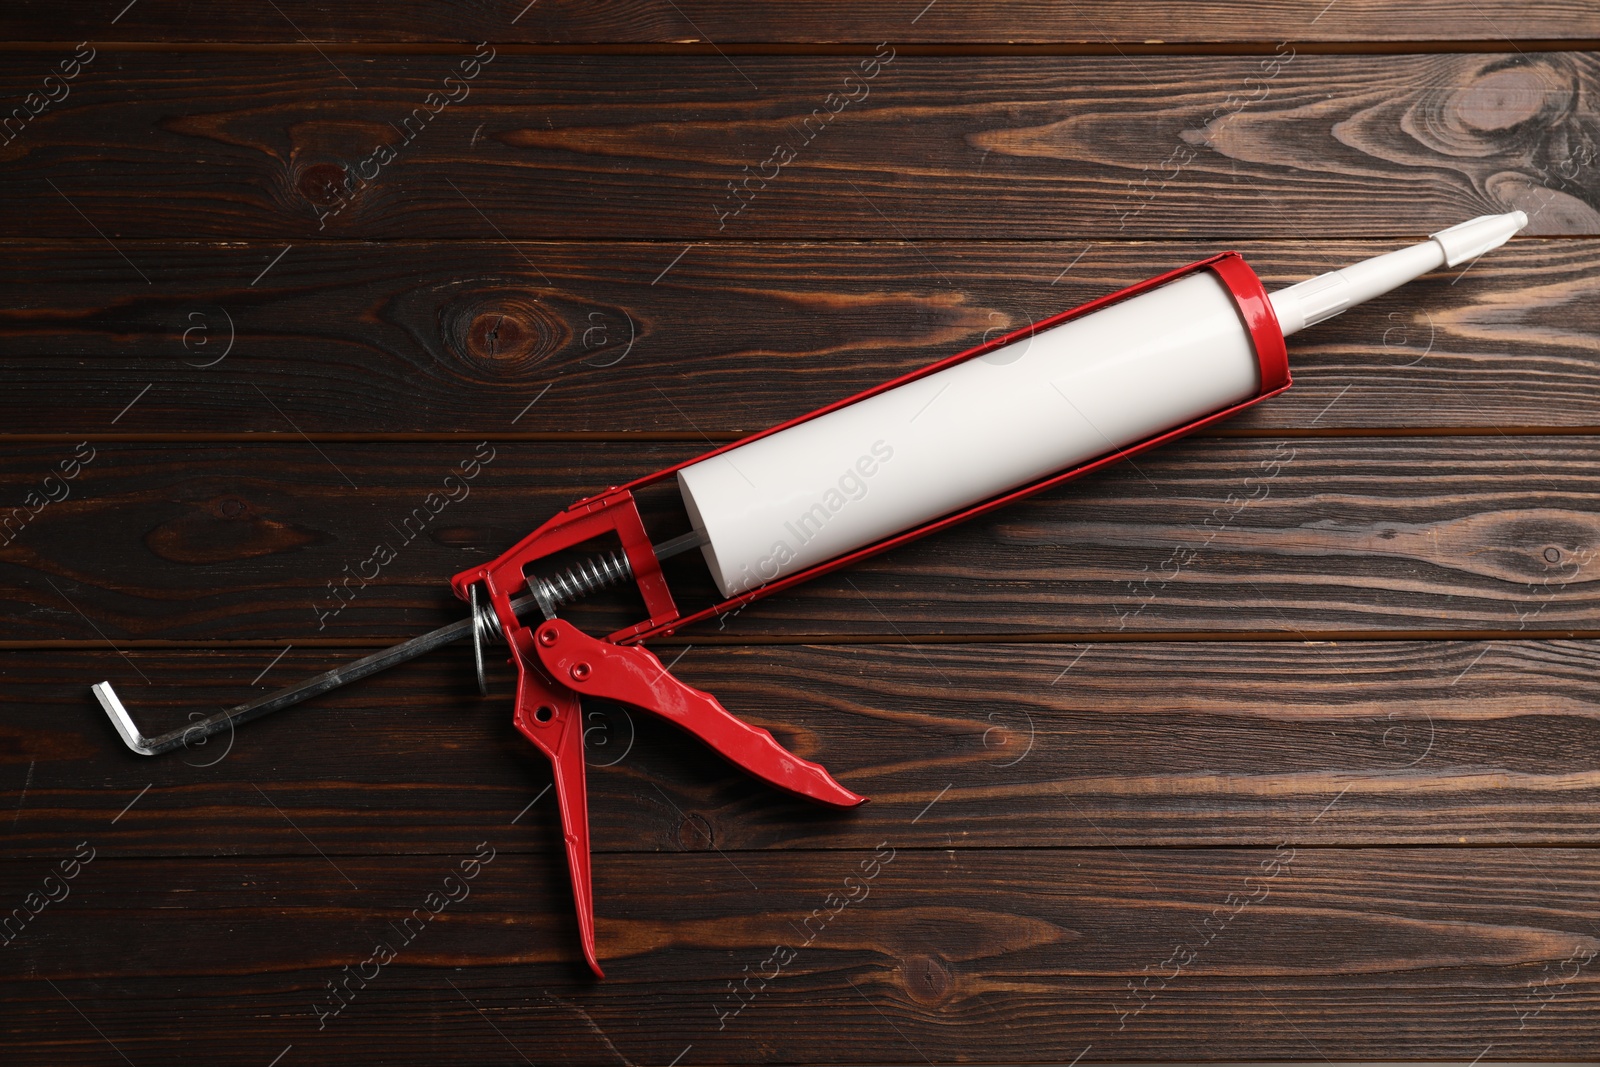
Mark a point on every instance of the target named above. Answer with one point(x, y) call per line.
point(1125, 49)
point(597, 849)
point(763, 640)
point(648, 436)
point(1202, 242)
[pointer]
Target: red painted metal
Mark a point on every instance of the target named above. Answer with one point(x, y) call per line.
point(633, 675)
point(557, 663)
point(1259, 318)
point(570, 665)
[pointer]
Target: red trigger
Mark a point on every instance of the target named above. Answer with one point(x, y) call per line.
point(557, 664)
point(634, 676)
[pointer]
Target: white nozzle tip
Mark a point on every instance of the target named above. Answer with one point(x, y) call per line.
point(1471, 239)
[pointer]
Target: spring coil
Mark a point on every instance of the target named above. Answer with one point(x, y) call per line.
point(578, 581)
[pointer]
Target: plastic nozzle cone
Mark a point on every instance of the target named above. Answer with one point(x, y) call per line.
point(1326, 295)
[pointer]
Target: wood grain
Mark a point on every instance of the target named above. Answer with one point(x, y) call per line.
point(728, 23)
point(216, 542)
point(1011, 955)
point(460, 337)
point(935, 147)
point(958, 746)
point(1133, 810)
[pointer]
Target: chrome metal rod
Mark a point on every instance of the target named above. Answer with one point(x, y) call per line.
point(482, 619)
point(294, 694)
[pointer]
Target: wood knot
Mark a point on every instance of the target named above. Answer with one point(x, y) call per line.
point(506, 336)
point(694, 834)
point(223, 529)
point(1509, 96)
point(492, 335)
point(927, 980)
point(323, 184)
point(1508, 116)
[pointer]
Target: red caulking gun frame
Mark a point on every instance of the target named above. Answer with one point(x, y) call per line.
point(1027, 411)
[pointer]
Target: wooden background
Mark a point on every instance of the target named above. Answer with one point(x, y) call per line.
point(1160, 775)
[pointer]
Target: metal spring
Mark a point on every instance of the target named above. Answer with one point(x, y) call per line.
point(589, 576)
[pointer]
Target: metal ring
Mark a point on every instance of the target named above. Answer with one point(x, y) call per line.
point(477, 638)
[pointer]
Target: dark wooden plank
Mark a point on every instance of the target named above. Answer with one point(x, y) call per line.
point(1003, 956)
point(971, 746)
point(727, 22)
point(232, 146)
point(281, 542)
point(1054, 820)
point(462, 336)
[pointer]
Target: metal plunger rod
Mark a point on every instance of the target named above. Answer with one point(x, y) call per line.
point(322, 683)
point(294, 694)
